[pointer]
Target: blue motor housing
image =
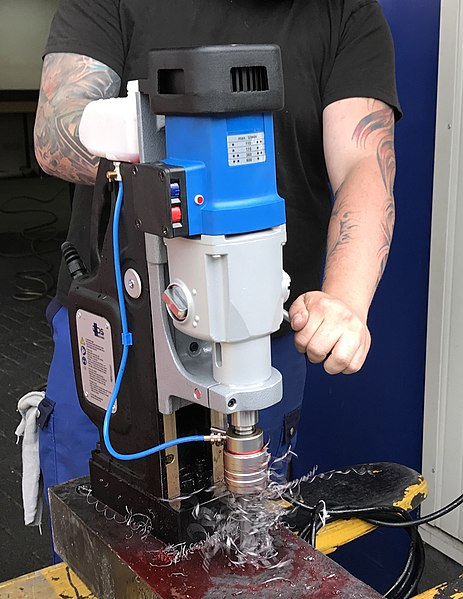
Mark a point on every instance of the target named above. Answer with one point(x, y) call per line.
point(218, 102)
point(229, 164)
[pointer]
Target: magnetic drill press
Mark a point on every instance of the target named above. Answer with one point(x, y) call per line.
point(171, 320)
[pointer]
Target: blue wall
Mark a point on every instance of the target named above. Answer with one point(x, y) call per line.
point(377, 414)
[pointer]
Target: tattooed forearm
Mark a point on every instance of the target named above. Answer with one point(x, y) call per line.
point(380, 123)
point(343, 225)
point(69, 83)
point(387, 229)
point(359, 150)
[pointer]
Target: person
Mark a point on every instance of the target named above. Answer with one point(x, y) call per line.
point(334, 144)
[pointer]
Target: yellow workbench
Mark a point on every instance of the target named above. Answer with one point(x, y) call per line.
point(447, 590)
point(54, 582)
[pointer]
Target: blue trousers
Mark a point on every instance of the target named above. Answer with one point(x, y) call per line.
point(68, 436)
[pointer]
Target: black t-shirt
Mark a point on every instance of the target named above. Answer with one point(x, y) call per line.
point(331, 50)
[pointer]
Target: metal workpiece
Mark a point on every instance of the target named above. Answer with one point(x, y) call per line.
point(132, 564)
point(137, 566)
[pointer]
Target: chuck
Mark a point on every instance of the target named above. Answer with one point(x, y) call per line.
point(245, 457)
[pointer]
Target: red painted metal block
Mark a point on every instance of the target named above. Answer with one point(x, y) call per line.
point(118, 562)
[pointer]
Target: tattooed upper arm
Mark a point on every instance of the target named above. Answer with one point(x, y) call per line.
point(69, 83)
point(380, 123)
point(355, 129)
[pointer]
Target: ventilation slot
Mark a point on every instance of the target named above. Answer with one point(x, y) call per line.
point(171, 81)
point(249, 79)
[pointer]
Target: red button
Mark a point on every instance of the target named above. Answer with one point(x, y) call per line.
point(176, 214)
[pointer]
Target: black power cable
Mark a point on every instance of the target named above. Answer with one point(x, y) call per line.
point(32, 284)
point(407, 581)
point(430, 517)
point(309, 532)
point(382, 516)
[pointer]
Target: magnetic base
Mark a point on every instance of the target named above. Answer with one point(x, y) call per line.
point(117, 559)
point(170, 522)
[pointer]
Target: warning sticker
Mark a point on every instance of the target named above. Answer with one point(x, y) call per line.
point(96, 358)
point(248, 148)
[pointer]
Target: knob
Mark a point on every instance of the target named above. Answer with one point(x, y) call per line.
point(176, 301)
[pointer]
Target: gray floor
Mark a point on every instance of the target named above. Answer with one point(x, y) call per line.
point(439, 568)
point(25, 353)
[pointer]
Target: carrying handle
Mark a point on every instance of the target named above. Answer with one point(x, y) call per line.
point(100, 213)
